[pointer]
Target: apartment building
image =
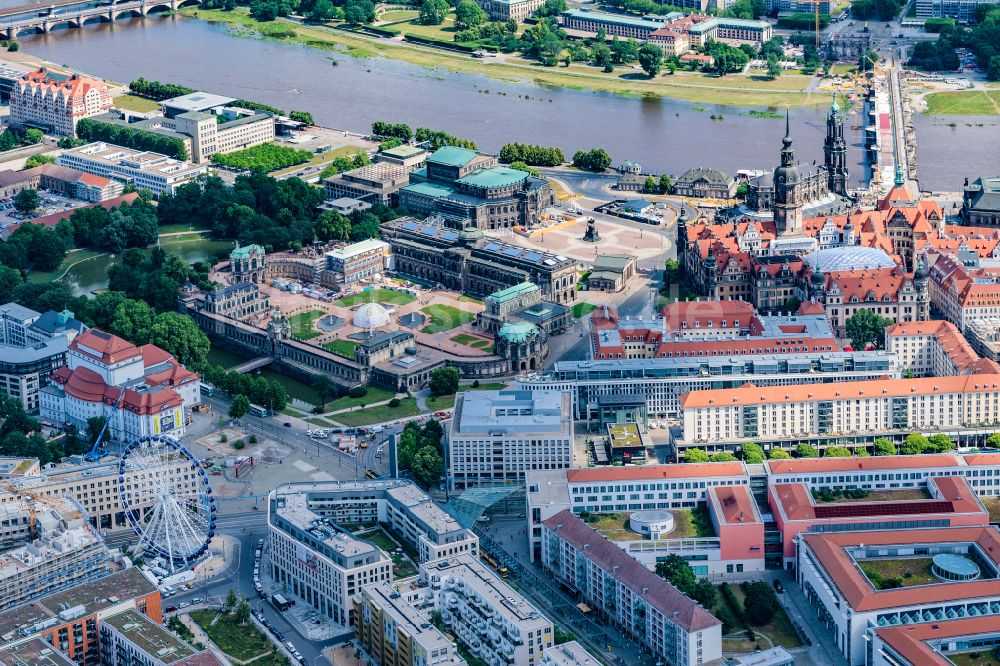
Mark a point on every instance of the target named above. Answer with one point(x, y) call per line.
point(568, 654)
point(35, 652)
point(620, 489)
point(130, 638)
point(850, 413)
point(496, 437)
point(731, 31)
point(64, 554)
point(493, 621)
point(829, 568)
point(931, 349)
point(149, 387)
point(505, 10)
point(326, 566)
point(68, 621)
point(963, 11)
point(375, 183)
point(143, 169)
point(394, 633)
point(55, 102)
point(615, 25)
point(963, 295)
point(637, 601)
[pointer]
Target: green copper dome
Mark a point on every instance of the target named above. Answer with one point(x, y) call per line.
point(517, 331)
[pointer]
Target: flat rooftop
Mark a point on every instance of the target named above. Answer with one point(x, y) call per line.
point(198, 101)
point(94, 596)
point(512, 412)
point(624, 435)
point(35, 652)
point(655, 472)
point(408, 618)
point(568, 654)
point(151, 638)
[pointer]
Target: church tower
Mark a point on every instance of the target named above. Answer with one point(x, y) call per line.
point(787, 189)
point(835, 151)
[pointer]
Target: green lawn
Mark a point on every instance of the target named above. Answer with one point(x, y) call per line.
point(375, 296)
point(375, 394)
point(444, 318)
point(302, 324)
point(342, 347)
point(906, 572)
point(380, 414)
point(319, 159)
point(408, 23)
point(779, 629)
point(135, 103)
point(966, 103)
point(471, 341)
point(381, 539)
point(240, 642)
point(437, 402)
point(72, 257)
point(975, 658)
point(583, 309)
point(469, 299)
point(992, 505)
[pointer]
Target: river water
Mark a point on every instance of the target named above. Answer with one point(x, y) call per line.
point(662, 134)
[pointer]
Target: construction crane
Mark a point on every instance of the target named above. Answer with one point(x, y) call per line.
point(95, 452)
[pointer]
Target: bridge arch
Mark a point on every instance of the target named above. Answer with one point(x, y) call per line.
point(188, 3)
point(96, 18)
point(158, 8)
point(128, 13)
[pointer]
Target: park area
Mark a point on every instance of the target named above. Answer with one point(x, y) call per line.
point(303, 324)
point(375, 296)
point(892, 573)
point(378, 414)
point(778, 631)
point(242, 642)
point(407, 22)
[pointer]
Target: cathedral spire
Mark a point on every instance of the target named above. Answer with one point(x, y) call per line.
point(900, 178)
point(834, 107)
point(787, 141)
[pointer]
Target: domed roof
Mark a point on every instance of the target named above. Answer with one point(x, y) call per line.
point(849, 258)
point(470, 234)
point(371, 315)
point(517, 331)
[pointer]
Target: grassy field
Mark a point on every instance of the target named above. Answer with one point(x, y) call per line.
point(370, 415)
point(583, 309)
point(634, 84)
point(242, 642)
point(470, 299)
point(135, 103)
point(975, 658)
point(343, 348)
point(302, 324)
point(375, 394)
point(471, 341)
point(444, 318)
point(992, 505)
point(438, 402)
point(72, 257)
point(909, 572)
point(321, 158)
point(966, 103)
point(375, 296)
point(779, 629)
point(406, 21)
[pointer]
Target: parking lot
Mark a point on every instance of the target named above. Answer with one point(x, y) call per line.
point(51, 203)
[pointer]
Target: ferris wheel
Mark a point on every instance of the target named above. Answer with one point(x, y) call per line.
point(167, 499)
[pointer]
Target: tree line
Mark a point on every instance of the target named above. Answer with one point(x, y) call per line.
point(531, 155)
point(131, 137)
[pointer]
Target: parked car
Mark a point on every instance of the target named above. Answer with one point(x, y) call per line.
point(777, 586)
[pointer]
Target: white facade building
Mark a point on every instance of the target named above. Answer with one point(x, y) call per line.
point(499, 436)
point(56, 102)
point(145, 170)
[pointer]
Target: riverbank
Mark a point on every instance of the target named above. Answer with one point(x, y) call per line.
point(733, 90)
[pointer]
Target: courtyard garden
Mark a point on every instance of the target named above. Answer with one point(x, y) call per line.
point(375, 296)
point(303, 324)
point(892, 573)
point(240, 640)
point(343, 348)
point(444, 318)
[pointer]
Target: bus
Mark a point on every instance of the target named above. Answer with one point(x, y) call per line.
point(256, 410)
point(280, 602)
point(371, 474)
point(206, 389)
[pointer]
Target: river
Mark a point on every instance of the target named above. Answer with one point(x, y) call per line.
point(662, 134)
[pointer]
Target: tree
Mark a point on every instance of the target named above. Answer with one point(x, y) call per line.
point(231, 601)
point(27, 201)
point(695, 456)
point(10, 279)
point(866, 328)
point(723, 456)
point(940, 443)
point(837, 452)
point(242, 611)
point(521, 166)
point(760, 603)
point(601, 55)
point(433, 12)
point(13, 47)
point(676, 571)
point(773, 67)
point(778, 454)
point(595, 159)
point(240, 407)
point(468, 14)
point(806, 451)
point(33, 136)
point(359, 11)
point(704, 593)
point(444, 381)
point(651, 59)
point(914, 444)
point(304, 116)
point(321, 12)
point(427, 467)
point(95, 424)
point(673, 272)
point(649, 187)
point(993, 69)
point(883, 447)
point(324, 387)
point(753, 454)
point(38, 160)
point(666, 184)
point(993, 441)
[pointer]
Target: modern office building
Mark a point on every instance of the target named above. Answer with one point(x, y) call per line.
point(615, 25)
point(143, 169)
point(835, 571)
point(326, 566)
point(966, 408)
point(33, 652)
point(395, 633)
point(496, 437)
point(663, 381)
point(359, 261)
point(55, 102)
point(130, 638)
point(148, 389)
point(963, 11)
point(623, 489)
point(950, 502)
point(32, 347)
point(634, 599)
point(224, 132)
point(492, 620)
point(375, 183)
point(731, 31)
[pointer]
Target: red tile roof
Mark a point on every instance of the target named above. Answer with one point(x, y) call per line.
point(653, 472)
point(104, 347)
point(654, 590)
point(733, 505)
point(820, 465)
point(829, 550)
point(912, 641)
point(947, 336)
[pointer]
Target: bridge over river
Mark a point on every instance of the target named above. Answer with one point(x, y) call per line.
point(75, 13)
